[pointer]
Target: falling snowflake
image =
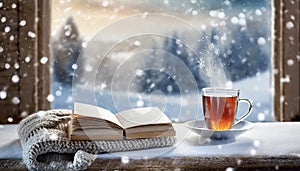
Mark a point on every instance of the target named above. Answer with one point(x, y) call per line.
point(13, 6)
point(105, 3)
point(22, 23)
point(3, 94)
point(27, 59)
point(44, 60)
point(229, 169)
point(137, 43)
point(194, 12)
point(125, 159)
point(140, 103)
point(290, 62)
point(31, 34)
point(50, 98)
point(139, 72)
point(258, 12)
point(10, 119)
point(256, 143)
point(261, 116)
point(15, 100)
point(7, 66)
point(7, 29)
point(74, 66)
point(15, 78)
point(169, 88)
point(3, 19)
point(16, 66)
point(253, 152)
point(11, 38)
point(289, 25)
point(24, 114)
point(58, 93)
point(261, 41)
point(103, 86)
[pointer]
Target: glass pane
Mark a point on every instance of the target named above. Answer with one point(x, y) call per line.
point(124, 54)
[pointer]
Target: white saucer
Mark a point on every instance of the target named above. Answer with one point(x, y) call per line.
point(199, 127)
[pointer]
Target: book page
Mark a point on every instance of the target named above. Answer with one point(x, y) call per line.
point(95, 112)
point(142, 116)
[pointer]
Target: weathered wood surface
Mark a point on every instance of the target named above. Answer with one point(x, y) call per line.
point(183, 163)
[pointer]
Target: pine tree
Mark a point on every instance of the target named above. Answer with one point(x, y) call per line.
point(66, 50)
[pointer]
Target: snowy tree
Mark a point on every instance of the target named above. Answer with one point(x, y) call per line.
point(151, 80)
point(186, 55)
point(65, 50)
point(243, 54)
point(155, 79)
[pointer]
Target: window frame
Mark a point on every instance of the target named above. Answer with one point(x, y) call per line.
point(285, 75)
point(31, 40)
point(286, 94)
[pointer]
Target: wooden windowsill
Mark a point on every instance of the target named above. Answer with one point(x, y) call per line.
point(270, 145)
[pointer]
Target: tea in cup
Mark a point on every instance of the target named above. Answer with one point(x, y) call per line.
point(220, 107)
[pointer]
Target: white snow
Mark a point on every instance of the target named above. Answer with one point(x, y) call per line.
point(261, 41)
point(193, 1)
point(221, 15)
point(124, 159)
point(15, 100)
point(27, 59)
point(11, 38)
point(105, 3)
point(24, 114)
point(15, 78)
point(31, 34)
point(290, 62)
point(3, 19)
point(13, 6)
point(22, 23)
point(58, 93)
point(74, 66)
point(137, 43)
point(10, 119)
point(3, 94)
point(140, 103)
point(50, 98)
point(194, 12)
point(7, 66)
point(16, 65)
point(7, 29)
point(258, 12)
point(289, 25)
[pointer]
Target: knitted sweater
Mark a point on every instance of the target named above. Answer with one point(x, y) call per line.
point(46, 146)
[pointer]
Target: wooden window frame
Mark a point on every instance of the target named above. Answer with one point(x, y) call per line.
point(31, 44)
point(286, 50)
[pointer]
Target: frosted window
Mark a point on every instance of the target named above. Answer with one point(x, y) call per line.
point(156, 69)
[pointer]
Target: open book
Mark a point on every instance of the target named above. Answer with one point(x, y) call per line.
point(95, 123)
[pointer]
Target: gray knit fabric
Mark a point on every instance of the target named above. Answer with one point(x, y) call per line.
point(45, 144)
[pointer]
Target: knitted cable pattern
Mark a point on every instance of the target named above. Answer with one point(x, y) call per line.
point(46, 146)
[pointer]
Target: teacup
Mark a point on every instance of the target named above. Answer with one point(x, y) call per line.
point(220, 107)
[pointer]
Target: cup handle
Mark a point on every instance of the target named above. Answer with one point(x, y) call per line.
point(247, 113)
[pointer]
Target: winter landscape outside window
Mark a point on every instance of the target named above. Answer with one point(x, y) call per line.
point(240, 33)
